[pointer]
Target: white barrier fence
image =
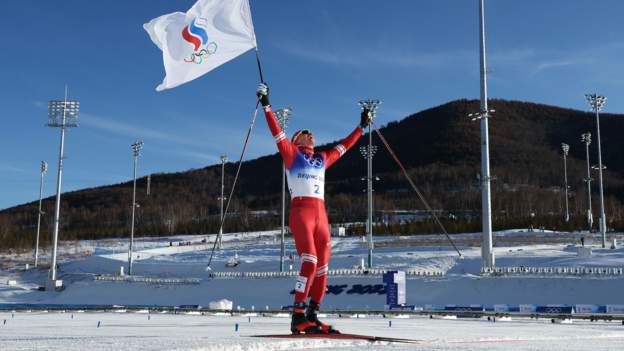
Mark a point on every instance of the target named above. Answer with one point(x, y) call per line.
point(333, 272)
point(575, 271)
point(147, 280)
point(260, 275)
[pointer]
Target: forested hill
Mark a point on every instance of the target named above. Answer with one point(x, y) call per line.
point(440, 147)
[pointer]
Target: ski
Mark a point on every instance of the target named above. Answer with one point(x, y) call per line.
point(370, 338)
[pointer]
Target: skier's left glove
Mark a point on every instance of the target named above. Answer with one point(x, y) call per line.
point(263, 93)
point(365, 118)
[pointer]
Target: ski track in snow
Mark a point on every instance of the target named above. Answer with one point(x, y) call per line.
point(132, 331)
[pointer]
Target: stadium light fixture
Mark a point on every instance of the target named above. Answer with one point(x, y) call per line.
point(566, 149)
point(223, 159)
point(62, 114)
point(136, 151)
point(283, 116)
point(371, 105)
point(586, 139)
point(597, 102)
point(484, 114)
point(44, 170)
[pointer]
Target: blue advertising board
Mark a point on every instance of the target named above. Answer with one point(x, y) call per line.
point(395, 288)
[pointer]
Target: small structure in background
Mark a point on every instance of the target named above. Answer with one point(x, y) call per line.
point(584, 251)
point(233, 261)
point(223, 305)
point(338, 231)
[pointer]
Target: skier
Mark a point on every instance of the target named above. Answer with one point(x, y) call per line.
point(305, 171)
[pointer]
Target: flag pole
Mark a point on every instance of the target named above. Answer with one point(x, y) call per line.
point(409, 179)
point(256, 47)
point(227, 204)
point(259, 65)
point(242, 155)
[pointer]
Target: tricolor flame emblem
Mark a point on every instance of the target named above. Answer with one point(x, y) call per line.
point(195, 34)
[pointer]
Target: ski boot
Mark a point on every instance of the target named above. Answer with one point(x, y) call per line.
point(299, 324)
point(311, 316)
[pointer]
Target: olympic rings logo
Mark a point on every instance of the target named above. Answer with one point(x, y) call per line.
point(316, 162)
point(198, 57)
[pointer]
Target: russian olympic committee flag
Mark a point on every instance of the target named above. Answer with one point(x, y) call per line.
point(209, 34)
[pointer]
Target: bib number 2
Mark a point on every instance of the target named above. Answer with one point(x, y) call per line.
point(316, 189)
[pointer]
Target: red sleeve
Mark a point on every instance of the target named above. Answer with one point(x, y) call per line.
point(287, 149)
point(343, 146)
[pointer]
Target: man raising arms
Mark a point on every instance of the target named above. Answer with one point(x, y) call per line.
point(305, 171)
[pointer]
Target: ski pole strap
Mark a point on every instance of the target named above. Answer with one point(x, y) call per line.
point(240, 164)
point(409, 179)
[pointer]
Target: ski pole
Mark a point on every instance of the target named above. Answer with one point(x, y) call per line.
point(409, 179)
point(240, 164)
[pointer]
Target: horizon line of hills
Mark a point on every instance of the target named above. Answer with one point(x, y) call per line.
point(439, 146)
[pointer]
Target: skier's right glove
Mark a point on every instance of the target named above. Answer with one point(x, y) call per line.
point(263, 93)
point(365, 118)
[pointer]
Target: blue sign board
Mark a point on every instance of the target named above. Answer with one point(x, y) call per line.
point(395, 287)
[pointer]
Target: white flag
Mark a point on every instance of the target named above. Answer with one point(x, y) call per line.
point(209, 34)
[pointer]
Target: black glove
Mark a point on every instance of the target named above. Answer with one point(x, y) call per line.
point(263, 93)
point(365, 118)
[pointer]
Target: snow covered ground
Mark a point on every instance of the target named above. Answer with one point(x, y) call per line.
point(142, 331)
point(186, 257)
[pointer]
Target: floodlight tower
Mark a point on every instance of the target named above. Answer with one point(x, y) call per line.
point(487, 253)
point(61, 114)
point(586, 139)
point(368, 152)
point(223, 161)
point(566, 149)
point(283, 116)
point(597, 103)
point(136, 151)
point(44, 169)
point(370, 105)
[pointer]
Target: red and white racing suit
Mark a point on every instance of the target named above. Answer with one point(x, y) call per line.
point(305, 171)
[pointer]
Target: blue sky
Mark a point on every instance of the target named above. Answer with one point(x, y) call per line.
point(319, 57)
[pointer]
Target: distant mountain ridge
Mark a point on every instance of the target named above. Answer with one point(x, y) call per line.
point(440, 146)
